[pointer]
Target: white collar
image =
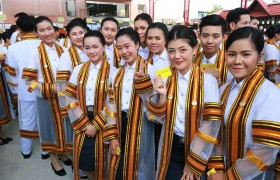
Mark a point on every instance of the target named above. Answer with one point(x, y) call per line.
point(163, 56)
point(48, 48)
point(212, 59)
point(92, 66)
point(111, 47)
point(127, 66)
point(235, 84)
point(143, 49)
point(186, 76)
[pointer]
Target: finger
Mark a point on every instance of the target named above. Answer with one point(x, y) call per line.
point(191, 176)
point(184, 175)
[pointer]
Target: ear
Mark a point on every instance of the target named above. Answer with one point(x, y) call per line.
point(195, 50)
point(232, 26)
point(137, 45)
point(261, 57)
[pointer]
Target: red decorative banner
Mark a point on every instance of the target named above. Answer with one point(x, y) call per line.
point(152, 8)
point(186, 12)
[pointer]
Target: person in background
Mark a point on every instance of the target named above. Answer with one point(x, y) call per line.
point(254, 22)
point(16, 36)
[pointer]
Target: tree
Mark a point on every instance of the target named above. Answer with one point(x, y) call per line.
point(215, 8)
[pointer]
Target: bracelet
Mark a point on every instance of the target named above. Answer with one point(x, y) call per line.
point(212, 171)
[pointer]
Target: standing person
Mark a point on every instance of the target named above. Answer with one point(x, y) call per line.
point(109, 28)
point(86, 93)
point(189, 109)
point(18, 55)
point(212, 31)
point(272, 52)
point(237, 18)
point(40, 74)
point(251, 123)
point(16, 36)
point(156, 41)
point(141, 23)
point(136, 159)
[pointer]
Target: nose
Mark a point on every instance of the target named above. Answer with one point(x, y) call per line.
point(209, 40)
point(238, 59)
point(177, 55)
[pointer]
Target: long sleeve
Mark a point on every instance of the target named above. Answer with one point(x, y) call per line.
point(11, 70)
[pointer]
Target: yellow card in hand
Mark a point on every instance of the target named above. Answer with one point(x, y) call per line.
point(164, 72)
point(205, 66)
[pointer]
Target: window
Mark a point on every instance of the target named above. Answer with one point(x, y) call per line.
point(70, 8)
point(106, 9)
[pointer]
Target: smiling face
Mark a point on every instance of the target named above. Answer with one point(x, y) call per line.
point(141, 27)
point(109, 31)
point(94, 49)
point(127, 49)
point(156, 41)
point(77, 35)
point(45, 32)
point(211, 37)
point(180, 54)
point(241, 58)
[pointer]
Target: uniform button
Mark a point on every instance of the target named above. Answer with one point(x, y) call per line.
point(128, 80)
point(126, 102)
point(182, 94)
point(90, 89)
point(127, 91)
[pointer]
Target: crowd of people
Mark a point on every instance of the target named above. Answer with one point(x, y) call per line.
point(144, 102)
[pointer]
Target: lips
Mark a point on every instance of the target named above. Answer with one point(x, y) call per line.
point(178, 62)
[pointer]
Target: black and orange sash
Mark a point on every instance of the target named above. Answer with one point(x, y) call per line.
point(101, 88)
point(117, 58)
point(134, 128)
point(194, 107)
point(29, 36)
point(48, 93)
point(65, 42)
point(238, 114)
point(75, 57)
point(272, 42)
point(150, 58)
point(3, 98)
point(220, 61)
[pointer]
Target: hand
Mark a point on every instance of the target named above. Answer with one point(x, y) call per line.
point(159, 86)
point(140, 74)
point(188, 174)
point(277, 175)
point(216, 176)
point(213, 71)
point(28, 82)
point(114, 143)
point(2, 57)
point(90, 130)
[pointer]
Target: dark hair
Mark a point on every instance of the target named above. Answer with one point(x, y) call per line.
point(5, 36)
point(271, 31)
point(109, 19)
point(20, 14)
point(234, 15)
point(131, 33)
point(161, 26)
point(213, 20)
point(40, 19)
point(182, 32)
point(55, 28)
point(144, 16)
point(26, 23)
point(255, 36)
point(76, 22)
point(97, 34)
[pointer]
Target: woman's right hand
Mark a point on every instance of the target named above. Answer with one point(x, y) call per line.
point(159, 86)
point(114, 145)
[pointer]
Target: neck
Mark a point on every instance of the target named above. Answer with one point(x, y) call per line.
point(132, 62)
point(96, 62)
point(80, 47)
point(210, 55)
point(143, 45)
point(109, 44)
point(24, 33)
point(159, 53)
point(49, 44)
point(184, 71)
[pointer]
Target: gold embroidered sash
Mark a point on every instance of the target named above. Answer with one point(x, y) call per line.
point(75, 57)
point(117, 58)
point(238, 114)
point(99, 120)
point(134, 128)
point(29, 36)
point(194, 105)
point(48, 92)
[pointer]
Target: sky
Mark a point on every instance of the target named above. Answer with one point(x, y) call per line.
point(173, 9)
